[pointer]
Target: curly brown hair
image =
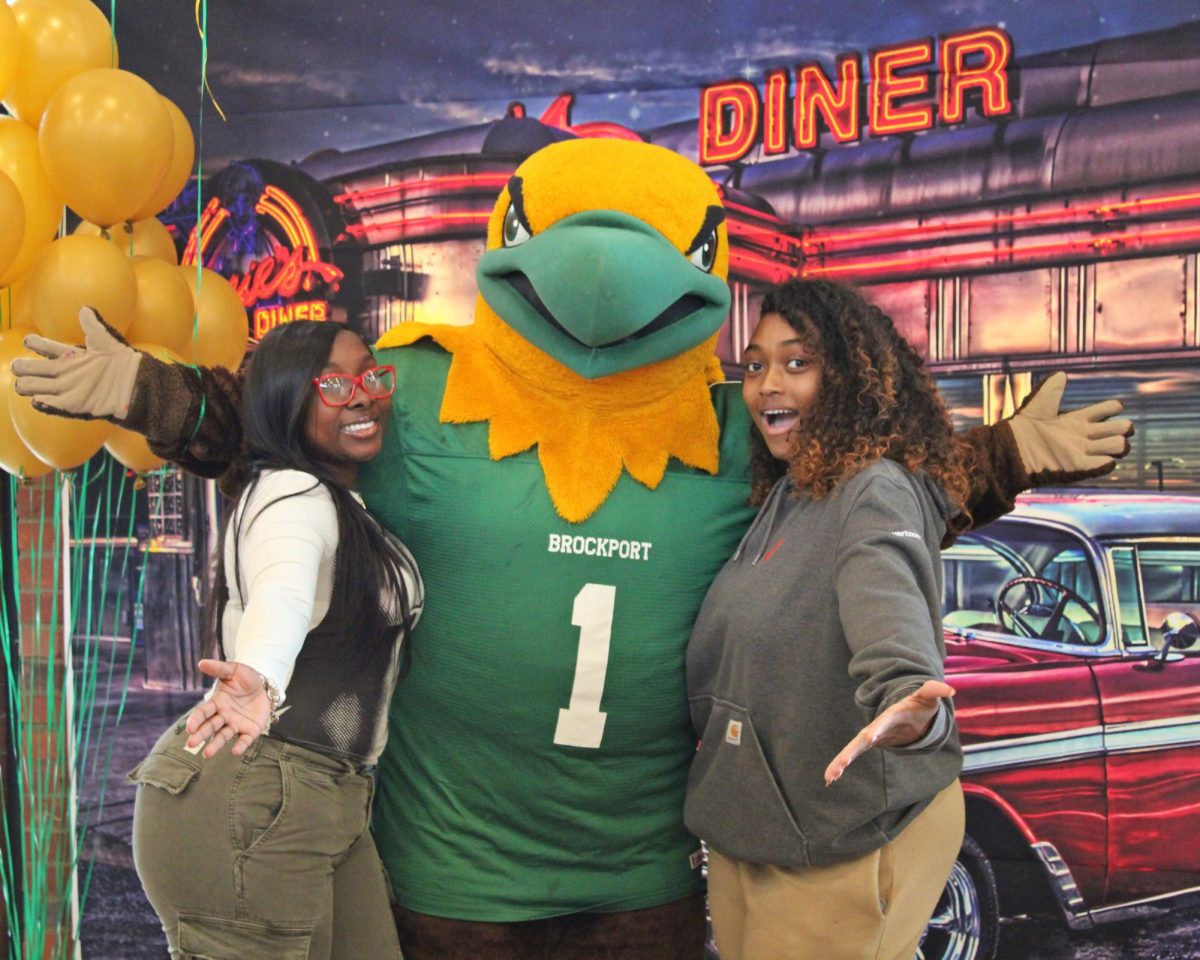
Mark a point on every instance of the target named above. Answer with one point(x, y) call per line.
point(876, 399)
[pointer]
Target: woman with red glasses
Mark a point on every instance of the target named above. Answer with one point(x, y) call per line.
point(263, 849)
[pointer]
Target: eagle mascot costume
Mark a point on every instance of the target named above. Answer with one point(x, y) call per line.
point(570, 473)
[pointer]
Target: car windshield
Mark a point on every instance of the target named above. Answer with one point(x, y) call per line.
point(1023, 580)
point(1170, 582)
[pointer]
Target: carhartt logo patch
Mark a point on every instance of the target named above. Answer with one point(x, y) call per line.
point(733, 732)
point(695, 858)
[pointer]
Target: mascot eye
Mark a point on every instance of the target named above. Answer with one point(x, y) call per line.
point(514, 231)
point(705, 255)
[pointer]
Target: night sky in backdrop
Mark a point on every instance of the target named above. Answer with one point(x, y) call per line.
point(299, 76)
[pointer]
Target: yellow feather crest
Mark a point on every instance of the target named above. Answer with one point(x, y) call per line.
point(586, 431)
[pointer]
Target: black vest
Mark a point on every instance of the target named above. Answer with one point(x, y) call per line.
point(339, 689)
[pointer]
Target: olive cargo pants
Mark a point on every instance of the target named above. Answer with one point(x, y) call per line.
point(264, 855)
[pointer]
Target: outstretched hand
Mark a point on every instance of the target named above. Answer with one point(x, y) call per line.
point(1071, 446)
point(91, 382)
point(904, 722)
point(239, 709)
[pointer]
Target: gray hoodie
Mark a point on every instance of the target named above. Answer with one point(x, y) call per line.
point(829, 612)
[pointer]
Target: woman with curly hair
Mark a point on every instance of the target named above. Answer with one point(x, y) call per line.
point(822, 634)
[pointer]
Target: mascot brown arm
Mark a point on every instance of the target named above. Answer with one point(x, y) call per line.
point(1040, 446)
point(190, 416)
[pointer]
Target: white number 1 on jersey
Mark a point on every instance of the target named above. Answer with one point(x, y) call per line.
point(581, 724)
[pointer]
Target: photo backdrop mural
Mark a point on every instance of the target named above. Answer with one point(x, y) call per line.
point(1014, 183)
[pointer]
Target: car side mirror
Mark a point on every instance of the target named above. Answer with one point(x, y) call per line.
point(1179, 632)
point(1181, 629)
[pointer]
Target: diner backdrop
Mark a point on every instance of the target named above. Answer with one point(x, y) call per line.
point(1015, 182)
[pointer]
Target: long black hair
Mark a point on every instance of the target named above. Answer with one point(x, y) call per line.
point(277, 396)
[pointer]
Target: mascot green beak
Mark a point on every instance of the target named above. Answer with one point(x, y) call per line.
point(602, 291)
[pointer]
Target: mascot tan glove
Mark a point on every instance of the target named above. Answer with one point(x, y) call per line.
point(1065, 447)
point(91, 382)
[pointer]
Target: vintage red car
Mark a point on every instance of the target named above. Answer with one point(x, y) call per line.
point(1072, 639)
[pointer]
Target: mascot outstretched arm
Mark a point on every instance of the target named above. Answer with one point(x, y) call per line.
point(571, 474)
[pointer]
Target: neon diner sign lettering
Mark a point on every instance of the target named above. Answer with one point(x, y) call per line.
point(274, 279)
point(898, 96)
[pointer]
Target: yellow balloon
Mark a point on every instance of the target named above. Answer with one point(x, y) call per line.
point(127, 447)
point(10, 47)
point(141, 238)
point(58, 39)
point(165, 310)
point(62, 442)
point(221, 328)
point(106, 142)
point(183, 154)
point(15, 457)
point(12, 216)
point(14, 306)
point(22, 163)
point(76, 272)
point(131, 450)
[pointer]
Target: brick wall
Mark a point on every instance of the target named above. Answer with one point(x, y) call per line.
point(45, 800)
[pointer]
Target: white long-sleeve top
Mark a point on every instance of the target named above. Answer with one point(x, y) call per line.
point(287, 537)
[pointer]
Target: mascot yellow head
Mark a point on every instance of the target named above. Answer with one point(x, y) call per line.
point(601, 293)
point(608, 255)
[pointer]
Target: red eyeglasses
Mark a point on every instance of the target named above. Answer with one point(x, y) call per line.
point(338, 389)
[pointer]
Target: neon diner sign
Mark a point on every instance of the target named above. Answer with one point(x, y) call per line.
point(734, 115)
point(268, 287)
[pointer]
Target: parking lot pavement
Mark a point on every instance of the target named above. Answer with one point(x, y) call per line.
point(1171, 934)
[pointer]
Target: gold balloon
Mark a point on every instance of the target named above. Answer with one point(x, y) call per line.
point(141, 238)
point(12, 216)
point(106, 142)
point(10, 47)
point(77, 272)
point(131, 450)
point(183, 154)
point(22, 163)
point(62, 442)
point(15, 457)
point(58, 39)
point(14, 306)
point(127, 447)
point(221, 329)
point(165, 310)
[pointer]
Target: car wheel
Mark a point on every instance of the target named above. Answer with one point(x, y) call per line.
point(966, 922)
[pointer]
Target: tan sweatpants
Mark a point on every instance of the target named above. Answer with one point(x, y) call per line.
point(872, 908)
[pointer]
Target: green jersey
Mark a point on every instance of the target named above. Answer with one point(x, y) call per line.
point(538, 749)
